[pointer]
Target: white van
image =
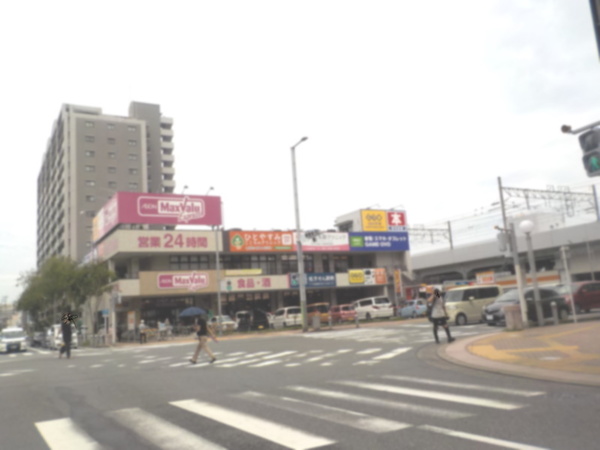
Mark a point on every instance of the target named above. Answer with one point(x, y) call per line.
point(287, 317)
point(465, 304)
point(373, 307)
point(13, 339)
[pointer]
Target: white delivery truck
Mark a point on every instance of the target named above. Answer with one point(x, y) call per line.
point(13, 339)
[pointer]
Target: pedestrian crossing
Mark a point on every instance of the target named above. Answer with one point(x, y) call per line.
point(406, 334)
point(212, 426)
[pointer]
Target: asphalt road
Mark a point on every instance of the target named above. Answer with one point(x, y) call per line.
point(374, 387)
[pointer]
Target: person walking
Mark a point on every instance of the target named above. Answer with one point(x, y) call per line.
point(143, 328)
point(438, 315)
point(66, 332)
point(203, 331)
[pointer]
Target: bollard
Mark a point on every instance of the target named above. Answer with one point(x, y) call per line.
point(330, 325)
point(554, 313)
point(356, 319)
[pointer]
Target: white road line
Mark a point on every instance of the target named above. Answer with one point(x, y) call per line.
point(195, 366)
point(344, 350)
point(393, 353)
point(64, 434)
point(267, 363)
point(179, 364)
point(121, 365)
point(241, 363)
point(159, 432)
point(368, 351)
point(237, 353)
point(478, 438)
point(292, 365)
point(328, 363)
point(320, 357)
point(337, 415)
point(7, 374)
point(366, 363)
point(475, 387)
point(95, 366)
point(315, 351)
point(280, 434)
point(434, 395)
point(278, 355)
point(364, 400)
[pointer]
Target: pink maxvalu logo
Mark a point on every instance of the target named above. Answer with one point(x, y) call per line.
point(184, 210)
point(192, 281)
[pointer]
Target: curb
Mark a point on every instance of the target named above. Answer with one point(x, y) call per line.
point(459, 355)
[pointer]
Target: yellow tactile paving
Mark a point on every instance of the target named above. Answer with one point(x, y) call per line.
point(541, 348)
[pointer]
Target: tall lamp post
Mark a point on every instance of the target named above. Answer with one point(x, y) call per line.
point(527, 227)
point(218, 270)
point(301, 286)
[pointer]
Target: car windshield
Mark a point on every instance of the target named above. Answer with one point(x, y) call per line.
point(454, 296)
point(12, 334)
point(509, 296)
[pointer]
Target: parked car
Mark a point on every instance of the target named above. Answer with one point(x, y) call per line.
point(288, 316)
point(586, 295)
point(373, 307)
point(253, 319)
point(320, 309)
point(13, 339)
point(342, 313)
point(494, 315)
point(227, 323)
point(465, 304)
point(414, 308)
point(38, 339)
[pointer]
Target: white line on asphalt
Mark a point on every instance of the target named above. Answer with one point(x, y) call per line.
point(195, 366)
point(412, 408)
point(315, 351)
point(330, 363)
point(179, 364)
point(337, 415)
point(476, 437)
point(159, 432)
point(367, 363)
point(344, 350)
point(241, 363)
point(292, 365)
point(368, 351)
point(267, 363)
point(434, 395)
point(475, 387)
point(7, 374)
point(95, 366)
point(301, 355)
point(64, 434)
point(237, 353)
point(280, 434)
point(320, 357)
point(278, 355)
point(393, 353)
point(121, 365)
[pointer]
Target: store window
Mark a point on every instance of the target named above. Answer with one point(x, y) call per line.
point(340, 263)
point(189, 262)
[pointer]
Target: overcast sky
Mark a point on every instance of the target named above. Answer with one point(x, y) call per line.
point(413, 103)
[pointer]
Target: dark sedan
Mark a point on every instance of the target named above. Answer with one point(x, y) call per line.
point(493, 314)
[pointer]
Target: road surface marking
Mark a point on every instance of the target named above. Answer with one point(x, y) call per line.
point(368, 363)
point(280, 434)
point(64, 434)
point(476, 437)
point(292, 365)
point(475, 387)
point(337, 415)
point(95, 366)
point(393, 353)
point(267, 363)
point(237, 353)
point(241, 363)
point(159, 432)
point(368, 351)
point(434, 395)
point(278, 355)
point(328, 363)
point(411, 408)
point(179, 364)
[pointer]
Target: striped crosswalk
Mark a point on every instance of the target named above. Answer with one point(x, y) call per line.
point(398, 413)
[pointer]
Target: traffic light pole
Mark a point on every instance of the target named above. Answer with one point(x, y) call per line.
point(567, 128)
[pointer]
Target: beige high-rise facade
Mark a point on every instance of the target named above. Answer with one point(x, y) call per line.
point(89, 157)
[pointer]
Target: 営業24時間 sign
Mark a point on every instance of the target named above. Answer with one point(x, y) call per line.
point(369, 242)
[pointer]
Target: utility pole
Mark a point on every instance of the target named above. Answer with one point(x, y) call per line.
point(563, 252)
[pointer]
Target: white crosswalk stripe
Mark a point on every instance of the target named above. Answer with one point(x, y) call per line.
point(280, 434)
point(64, 434)
point(337, 415)
point(479, 438)
point(161, 433)
point(393, 353)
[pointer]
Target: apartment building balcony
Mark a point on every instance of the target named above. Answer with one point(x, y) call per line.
point(168, 183)
point(168, 170)
point(166, 133)
point(167, 158)
point(167, 146)
point(166, 121)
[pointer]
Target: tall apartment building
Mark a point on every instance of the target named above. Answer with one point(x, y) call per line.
point(89, 157)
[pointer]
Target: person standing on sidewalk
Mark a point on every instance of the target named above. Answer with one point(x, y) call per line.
point(143, 328)
point(203, 331)
point(66, 337)
point(438, 315)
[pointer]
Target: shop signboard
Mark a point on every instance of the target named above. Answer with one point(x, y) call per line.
point(396, 220)
point(373, 220)
point(313, 280)
point(367, 276)
point(486, 277)
point(177, 282)
point(254, 283)
point(157, 209)
point(397, 281)
point(260, 241)
point(369, 242)
point(324, 242)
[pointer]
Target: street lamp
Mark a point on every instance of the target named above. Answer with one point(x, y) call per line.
point(526, 227)
point(300, 256)
point(184, 188)
point(210, 189)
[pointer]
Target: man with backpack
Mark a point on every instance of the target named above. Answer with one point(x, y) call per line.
point(437, 314)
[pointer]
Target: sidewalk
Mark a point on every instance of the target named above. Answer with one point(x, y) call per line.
point(568, 353)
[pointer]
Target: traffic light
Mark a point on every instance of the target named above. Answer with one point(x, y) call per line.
point(590, 144)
